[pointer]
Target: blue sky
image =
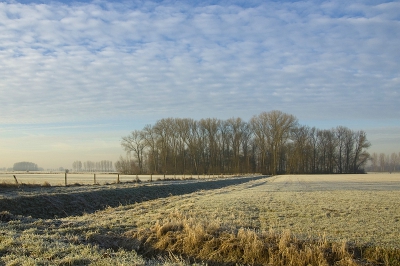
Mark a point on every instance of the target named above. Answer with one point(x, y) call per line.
point(76, 76)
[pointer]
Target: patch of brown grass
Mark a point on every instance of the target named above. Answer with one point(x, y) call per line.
point(213, 244)
point(382, 256)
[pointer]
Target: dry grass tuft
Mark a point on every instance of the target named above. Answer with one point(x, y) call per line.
point(6, 216)
point(8, 185)
point(46, 184)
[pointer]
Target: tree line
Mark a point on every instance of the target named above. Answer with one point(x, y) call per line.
point(384, 162)
point(89, 166)
point(270, 143)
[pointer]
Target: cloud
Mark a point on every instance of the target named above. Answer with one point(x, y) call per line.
point(102, 60)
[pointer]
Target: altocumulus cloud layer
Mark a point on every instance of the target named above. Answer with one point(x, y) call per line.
point(72, 69)
point(89, 60)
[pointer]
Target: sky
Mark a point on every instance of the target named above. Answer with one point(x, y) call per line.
point(77, 76)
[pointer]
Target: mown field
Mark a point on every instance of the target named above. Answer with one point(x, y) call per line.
point(280, 220)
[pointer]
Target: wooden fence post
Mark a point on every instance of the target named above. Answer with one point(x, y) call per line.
point(16, 181)
point(94, 179)
point(65, 179)
point(118, 179)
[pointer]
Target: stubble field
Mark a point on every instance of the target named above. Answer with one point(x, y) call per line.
point(280, 220)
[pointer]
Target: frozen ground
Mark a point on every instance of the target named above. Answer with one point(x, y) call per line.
point(58, 178)
point(363, 209)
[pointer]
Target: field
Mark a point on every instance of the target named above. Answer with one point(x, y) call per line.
point(280, 220)
point(87, 178)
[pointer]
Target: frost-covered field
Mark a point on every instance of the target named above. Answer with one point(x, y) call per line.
point(355, 209)
point(363, 209)
point(56, 179)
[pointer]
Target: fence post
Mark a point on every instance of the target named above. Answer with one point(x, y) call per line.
point(118, 179)
point(65, 179)
point(94, 179)
point(16, 181)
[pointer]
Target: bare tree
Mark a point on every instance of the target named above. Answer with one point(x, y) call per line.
point(394, 161)
point(382, 162)
point(136, 143)
point(126, 165)
point(300, 156)
point(212, 130)
point(345, 145)
point(327, 146)
point(236, 128)
point(374, 161)
point(150, 137)
point(361, 155)
point(273, 131)
point(162, 128)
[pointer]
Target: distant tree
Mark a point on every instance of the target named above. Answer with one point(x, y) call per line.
point(126, 166)
point(374, 162)
point(382, 162)
point(361, 155)
point(77, 166)
point(394, 161)
point(135, 142)
point(25, 166)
